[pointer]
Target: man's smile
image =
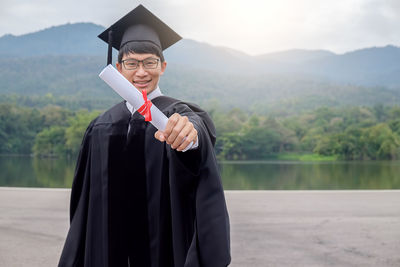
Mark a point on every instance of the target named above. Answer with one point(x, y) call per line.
point(141, 84)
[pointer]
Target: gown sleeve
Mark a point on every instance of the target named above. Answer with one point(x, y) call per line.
point(210, 245)
point(191, 159)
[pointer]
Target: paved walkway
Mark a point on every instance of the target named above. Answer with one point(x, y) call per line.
point(269, 228)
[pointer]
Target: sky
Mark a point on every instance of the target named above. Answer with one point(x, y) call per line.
point(252, 26)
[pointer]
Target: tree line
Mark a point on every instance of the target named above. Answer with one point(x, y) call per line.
point(348, 133)
point(51, 131)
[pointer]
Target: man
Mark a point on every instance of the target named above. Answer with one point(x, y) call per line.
point(143, 197)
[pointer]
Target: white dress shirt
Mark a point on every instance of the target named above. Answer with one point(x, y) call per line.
point(156, 93)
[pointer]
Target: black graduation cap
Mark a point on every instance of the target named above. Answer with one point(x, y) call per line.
point(139, 25)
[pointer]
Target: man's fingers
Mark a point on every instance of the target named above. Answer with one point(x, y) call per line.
point(178, 133)
point(172, 121)
point(192, 137)
point(159, 136)
point(183, 133)
point(180, 124)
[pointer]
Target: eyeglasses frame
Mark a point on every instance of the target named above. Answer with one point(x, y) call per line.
point(140, 61)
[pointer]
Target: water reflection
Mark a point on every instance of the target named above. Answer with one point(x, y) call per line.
point(36, 172)
point(47, 169)
point(275, 175)
point(268, 175)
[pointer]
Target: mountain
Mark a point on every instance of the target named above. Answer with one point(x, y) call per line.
point(64, 61)
point(296, 56)
point(377, 66)
point(68, 39)
point(199, 55)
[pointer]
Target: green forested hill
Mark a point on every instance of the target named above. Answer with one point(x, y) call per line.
point(72, 81)
point(69, 81)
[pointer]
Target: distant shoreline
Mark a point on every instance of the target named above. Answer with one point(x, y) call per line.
point(284, 157)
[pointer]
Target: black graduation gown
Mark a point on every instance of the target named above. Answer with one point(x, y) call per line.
point(172, 203)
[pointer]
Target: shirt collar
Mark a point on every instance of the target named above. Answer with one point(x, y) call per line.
point(155, 93)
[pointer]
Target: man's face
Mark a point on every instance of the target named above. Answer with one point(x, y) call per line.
point(142, 78)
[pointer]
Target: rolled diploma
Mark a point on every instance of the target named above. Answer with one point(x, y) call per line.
point(128, 92)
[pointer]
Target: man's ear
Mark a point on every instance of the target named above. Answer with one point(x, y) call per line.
point(163, 67)
point(119, 66)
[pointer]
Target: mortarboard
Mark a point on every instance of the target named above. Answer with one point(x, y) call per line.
point(139, 25)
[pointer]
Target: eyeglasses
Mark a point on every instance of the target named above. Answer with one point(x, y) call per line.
point(148, 63)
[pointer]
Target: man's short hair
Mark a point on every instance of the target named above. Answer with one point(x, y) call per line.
point(140, 48)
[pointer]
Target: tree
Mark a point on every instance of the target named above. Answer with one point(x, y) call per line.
point(381, 142)
point(327, 145)
point(18, 128)
point(50, 142)
point(77, 126)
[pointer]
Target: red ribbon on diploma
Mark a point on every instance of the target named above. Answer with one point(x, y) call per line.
point(144, 110)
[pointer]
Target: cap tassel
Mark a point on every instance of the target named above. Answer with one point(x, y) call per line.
point(109, 56)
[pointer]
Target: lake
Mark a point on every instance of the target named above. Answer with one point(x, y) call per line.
point(243, 175)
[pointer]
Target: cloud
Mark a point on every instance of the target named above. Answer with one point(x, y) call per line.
point(253, 26)
point(381, 18)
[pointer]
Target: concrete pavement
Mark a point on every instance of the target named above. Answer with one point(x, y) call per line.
point(268, 228)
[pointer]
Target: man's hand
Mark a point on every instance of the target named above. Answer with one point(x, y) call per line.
point(178, 127)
